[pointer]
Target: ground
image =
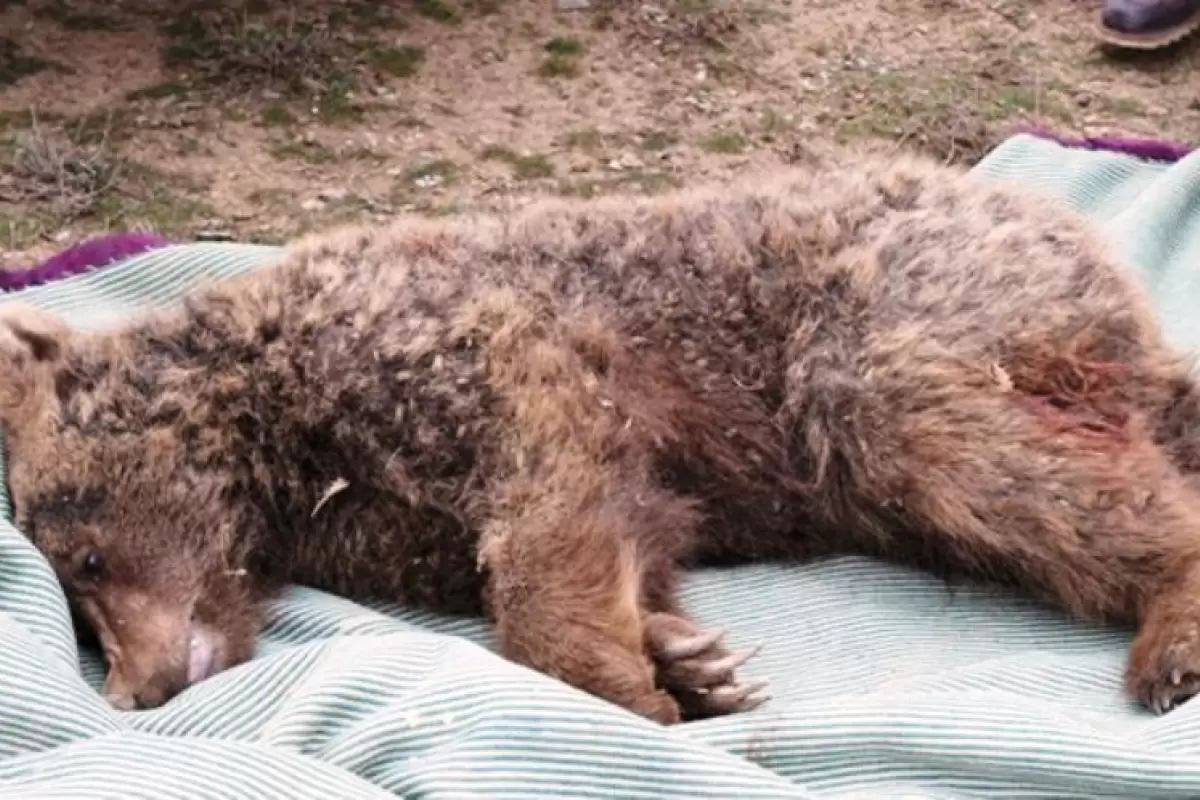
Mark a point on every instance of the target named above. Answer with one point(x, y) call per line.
point(258, 120)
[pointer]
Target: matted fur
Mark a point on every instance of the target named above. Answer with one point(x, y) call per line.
point(542, 416)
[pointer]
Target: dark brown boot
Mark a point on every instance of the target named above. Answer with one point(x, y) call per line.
point(1148, 24)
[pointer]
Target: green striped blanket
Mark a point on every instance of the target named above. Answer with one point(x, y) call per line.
point(885, 683)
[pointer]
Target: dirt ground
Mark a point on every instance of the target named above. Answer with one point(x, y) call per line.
point(260, 119)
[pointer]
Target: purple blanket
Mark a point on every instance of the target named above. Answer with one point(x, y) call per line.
point(87, 255)
point(1144, 149)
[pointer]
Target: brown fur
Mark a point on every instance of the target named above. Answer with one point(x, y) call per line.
point(544, 415)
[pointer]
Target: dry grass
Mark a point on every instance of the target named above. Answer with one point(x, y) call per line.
point(65, 171)
point(229, 49)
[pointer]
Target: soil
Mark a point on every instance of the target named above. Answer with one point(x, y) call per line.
point(257, 121)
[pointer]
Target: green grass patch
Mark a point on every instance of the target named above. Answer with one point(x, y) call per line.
point(656, 141)
point(727, 143)
point(525, 167)
point(562, 60)
point(73, 19)
point(401, 62)
point(558, 67)
point(15, 65)
point(277, 115)
point(437, 10)
point(158, 91)
point(564, 46)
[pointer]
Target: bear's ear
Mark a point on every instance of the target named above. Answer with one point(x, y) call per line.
point(32, 344)
point(32, 334)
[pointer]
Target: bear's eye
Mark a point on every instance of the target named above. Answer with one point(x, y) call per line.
point(92, 565)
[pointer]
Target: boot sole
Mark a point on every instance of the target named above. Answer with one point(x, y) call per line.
point(1149, 41)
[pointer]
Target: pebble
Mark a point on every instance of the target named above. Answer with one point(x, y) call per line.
point(332, 195)
point(630, 161)
point(572, 5)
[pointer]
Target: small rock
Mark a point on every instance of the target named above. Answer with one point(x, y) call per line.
point(572, 5)
point(630, 161)
point(313, 204)
point(332, 195)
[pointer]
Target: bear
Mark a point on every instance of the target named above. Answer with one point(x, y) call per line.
point(545, 415)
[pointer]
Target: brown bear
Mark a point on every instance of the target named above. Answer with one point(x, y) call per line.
point(544, 415)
